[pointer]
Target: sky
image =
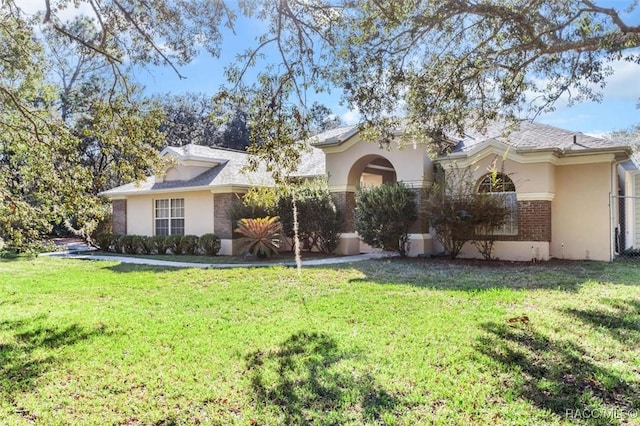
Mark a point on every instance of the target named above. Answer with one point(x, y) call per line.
point(617, 110)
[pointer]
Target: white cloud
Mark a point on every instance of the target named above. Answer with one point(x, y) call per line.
point(350, 117)
point(625, 82)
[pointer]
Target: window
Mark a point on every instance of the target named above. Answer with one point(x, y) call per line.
point(501, 185)
point(169, 216)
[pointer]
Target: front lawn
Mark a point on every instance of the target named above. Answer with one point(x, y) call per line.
point(378, 342)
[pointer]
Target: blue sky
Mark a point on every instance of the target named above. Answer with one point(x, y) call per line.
point(206, 74)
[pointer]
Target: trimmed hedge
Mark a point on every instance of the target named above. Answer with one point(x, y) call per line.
point(208, 244)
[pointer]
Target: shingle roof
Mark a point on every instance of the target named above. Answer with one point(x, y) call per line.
point(334, 136)
point(228, 171)
point(526, 135)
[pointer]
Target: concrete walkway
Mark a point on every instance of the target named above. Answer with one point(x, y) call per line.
point(72, 252)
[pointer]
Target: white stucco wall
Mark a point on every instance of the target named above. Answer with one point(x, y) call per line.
point(580, 212)
point(412, 165)
point(198, 211)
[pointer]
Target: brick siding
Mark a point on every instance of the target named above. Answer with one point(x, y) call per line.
point(119, 217)
point(346, 204)
point(534, 222)
point(222, 225)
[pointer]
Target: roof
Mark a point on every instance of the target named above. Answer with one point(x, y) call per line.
point(524, 135)
point(334, 136)
point(527, 135)
point(226, 170)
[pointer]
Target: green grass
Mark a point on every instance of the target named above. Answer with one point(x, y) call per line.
point(379, 342)
point(278, 258)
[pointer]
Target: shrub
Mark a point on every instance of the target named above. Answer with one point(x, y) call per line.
point(209, 244)
point(117, 243)
point(104, 241)
point(189, 244)
point(159, 244)
point(257, 202)
point(318, 219)
point(460, 214)
point(261, 236)
point(383, 216)
point(174, 242)
point(130, 243)
point(146, 245)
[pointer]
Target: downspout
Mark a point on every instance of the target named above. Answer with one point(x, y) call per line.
point(613, 196)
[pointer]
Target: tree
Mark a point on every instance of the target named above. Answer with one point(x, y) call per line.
point(188, 119)
point(459, 63)
point(322, 119)
point(460, 214)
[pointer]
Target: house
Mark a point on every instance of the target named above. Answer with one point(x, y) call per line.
point(558, 185)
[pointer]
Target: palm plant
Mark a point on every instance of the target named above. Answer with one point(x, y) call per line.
point(261, 236)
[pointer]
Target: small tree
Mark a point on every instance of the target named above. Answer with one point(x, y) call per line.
point(459, 214)
point(384, 214)
point(491, 214)
point(319, 219)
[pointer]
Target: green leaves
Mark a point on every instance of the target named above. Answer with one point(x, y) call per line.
point(383, 216)
point(261, 236)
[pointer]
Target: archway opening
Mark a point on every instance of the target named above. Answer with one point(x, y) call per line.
point(372, 170)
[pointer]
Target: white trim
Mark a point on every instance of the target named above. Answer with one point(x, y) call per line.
point(585, 159)
point(425, 236)
point(535, 196)
point(226, 189)
point(349, 235)
point(523, 155)
point(342, 188)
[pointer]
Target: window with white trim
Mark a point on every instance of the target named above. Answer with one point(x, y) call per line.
point(169, 216)
point(502, 186)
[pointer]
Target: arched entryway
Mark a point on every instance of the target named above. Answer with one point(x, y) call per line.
point(372, 170)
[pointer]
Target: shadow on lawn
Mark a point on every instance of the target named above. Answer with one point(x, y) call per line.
point(621, 318)
point(558, 375)
point(474, 275)
point(302, 380)
point(133, 267)
point(30, 354)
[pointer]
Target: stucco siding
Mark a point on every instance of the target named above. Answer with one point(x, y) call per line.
point(140, 215)
point(580, 212)
point(529, 178)
point(198, 211)
point(412, 165)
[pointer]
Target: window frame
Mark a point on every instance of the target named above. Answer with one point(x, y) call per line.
point(172, 211)
point(502, 186)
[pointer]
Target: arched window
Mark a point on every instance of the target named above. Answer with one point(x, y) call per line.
point(496, 183)
point(502, 186)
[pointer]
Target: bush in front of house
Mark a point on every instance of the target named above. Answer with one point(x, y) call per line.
point(383, 216)
point(210, 244)
point(460, 214)
point(130, 243)
point(261, 236)
point(189, 244)
point(118, 243)
point(159, 244)
point(174, 242)
point(319, 220)
point(145, 244)
point(104, 241)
